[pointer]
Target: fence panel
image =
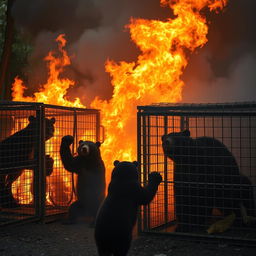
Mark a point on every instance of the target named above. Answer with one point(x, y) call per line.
point(33, 181)
point(208, 181)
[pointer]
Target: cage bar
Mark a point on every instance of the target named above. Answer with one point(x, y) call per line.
point(39, 191)
point(234, 125)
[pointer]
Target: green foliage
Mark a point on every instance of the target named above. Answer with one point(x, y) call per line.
point(20, 52)
point(20, 48)
point(3, 8)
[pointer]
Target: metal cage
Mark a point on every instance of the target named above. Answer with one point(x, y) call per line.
point(234, 125)
point(38, 191)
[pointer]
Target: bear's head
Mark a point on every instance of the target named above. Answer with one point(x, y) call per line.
point(49, 126)
point(89, 149)
point(125, 171)
point(176, 144)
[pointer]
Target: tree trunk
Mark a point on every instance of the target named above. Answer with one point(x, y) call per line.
point(6, 54)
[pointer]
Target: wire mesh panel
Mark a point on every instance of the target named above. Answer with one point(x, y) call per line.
point(82, 124)
point(33, 181)
point(206, 154)
point(19, 154)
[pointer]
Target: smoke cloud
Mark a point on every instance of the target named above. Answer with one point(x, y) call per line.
point(95, 30)
point(223, 70)
point(72, 17)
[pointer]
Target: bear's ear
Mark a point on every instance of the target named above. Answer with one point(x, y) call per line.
point(80, 142)
point(186, 133)
point(31, 119)
point(98, 144)
point(52, 120)
point(135, 163)
point(116, 162)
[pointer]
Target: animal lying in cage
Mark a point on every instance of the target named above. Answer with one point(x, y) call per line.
point(206, 177)
point(17, 153)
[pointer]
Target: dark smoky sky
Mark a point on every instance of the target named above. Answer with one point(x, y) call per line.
point(223, 70)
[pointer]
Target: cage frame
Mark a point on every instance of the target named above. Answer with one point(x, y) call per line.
point(183, 110)
point(39, 180)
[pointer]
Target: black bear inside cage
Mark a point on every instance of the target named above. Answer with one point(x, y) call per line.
point(33, 181)
point(207, 156)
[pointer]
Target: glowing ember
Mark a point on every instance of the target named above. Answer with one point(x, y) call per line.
point(154, 77)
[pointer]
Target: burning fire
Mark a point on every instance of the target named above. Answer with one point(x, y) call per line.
point(153, 77)
point(55, 90)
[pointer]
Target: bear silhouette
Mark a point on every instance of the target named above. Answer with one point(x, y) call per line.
point(90, 170)
point(118, 213)
point(206, 177)
point(17, 153)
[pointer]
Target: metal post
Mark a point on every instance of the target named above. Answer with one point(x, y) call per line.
point(41, 163)
point(139, 168)
point(165, 176)
point(144, 172)
point(98, 128)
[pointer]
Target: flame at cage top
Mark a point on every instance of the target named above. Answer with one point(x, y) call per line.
point(154, 77)
point(55, 90)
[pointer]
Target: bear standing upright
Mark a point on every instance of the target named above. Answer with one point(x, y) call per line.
point(206, 177)
point(118, 213)
point(89, 167)
point(18, 152)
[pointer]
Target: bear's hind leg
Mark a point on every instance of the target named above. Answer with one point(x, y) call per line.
point(123, 248)
point(74, 212)
point(7, 199)
point(103, 253)
point(3, 191)
point(193, 208)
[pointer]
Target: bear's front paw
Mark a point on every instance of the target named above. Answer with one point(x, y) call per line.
point(48, 165)
point(155, 177)
point(68, 139)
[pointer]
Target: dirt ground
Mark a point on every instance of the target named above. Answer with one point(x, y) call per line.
point(53, 239)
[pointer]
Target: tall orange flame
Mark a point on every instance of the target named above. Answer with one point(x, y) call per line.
point(154, 77)
point(55, 90)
